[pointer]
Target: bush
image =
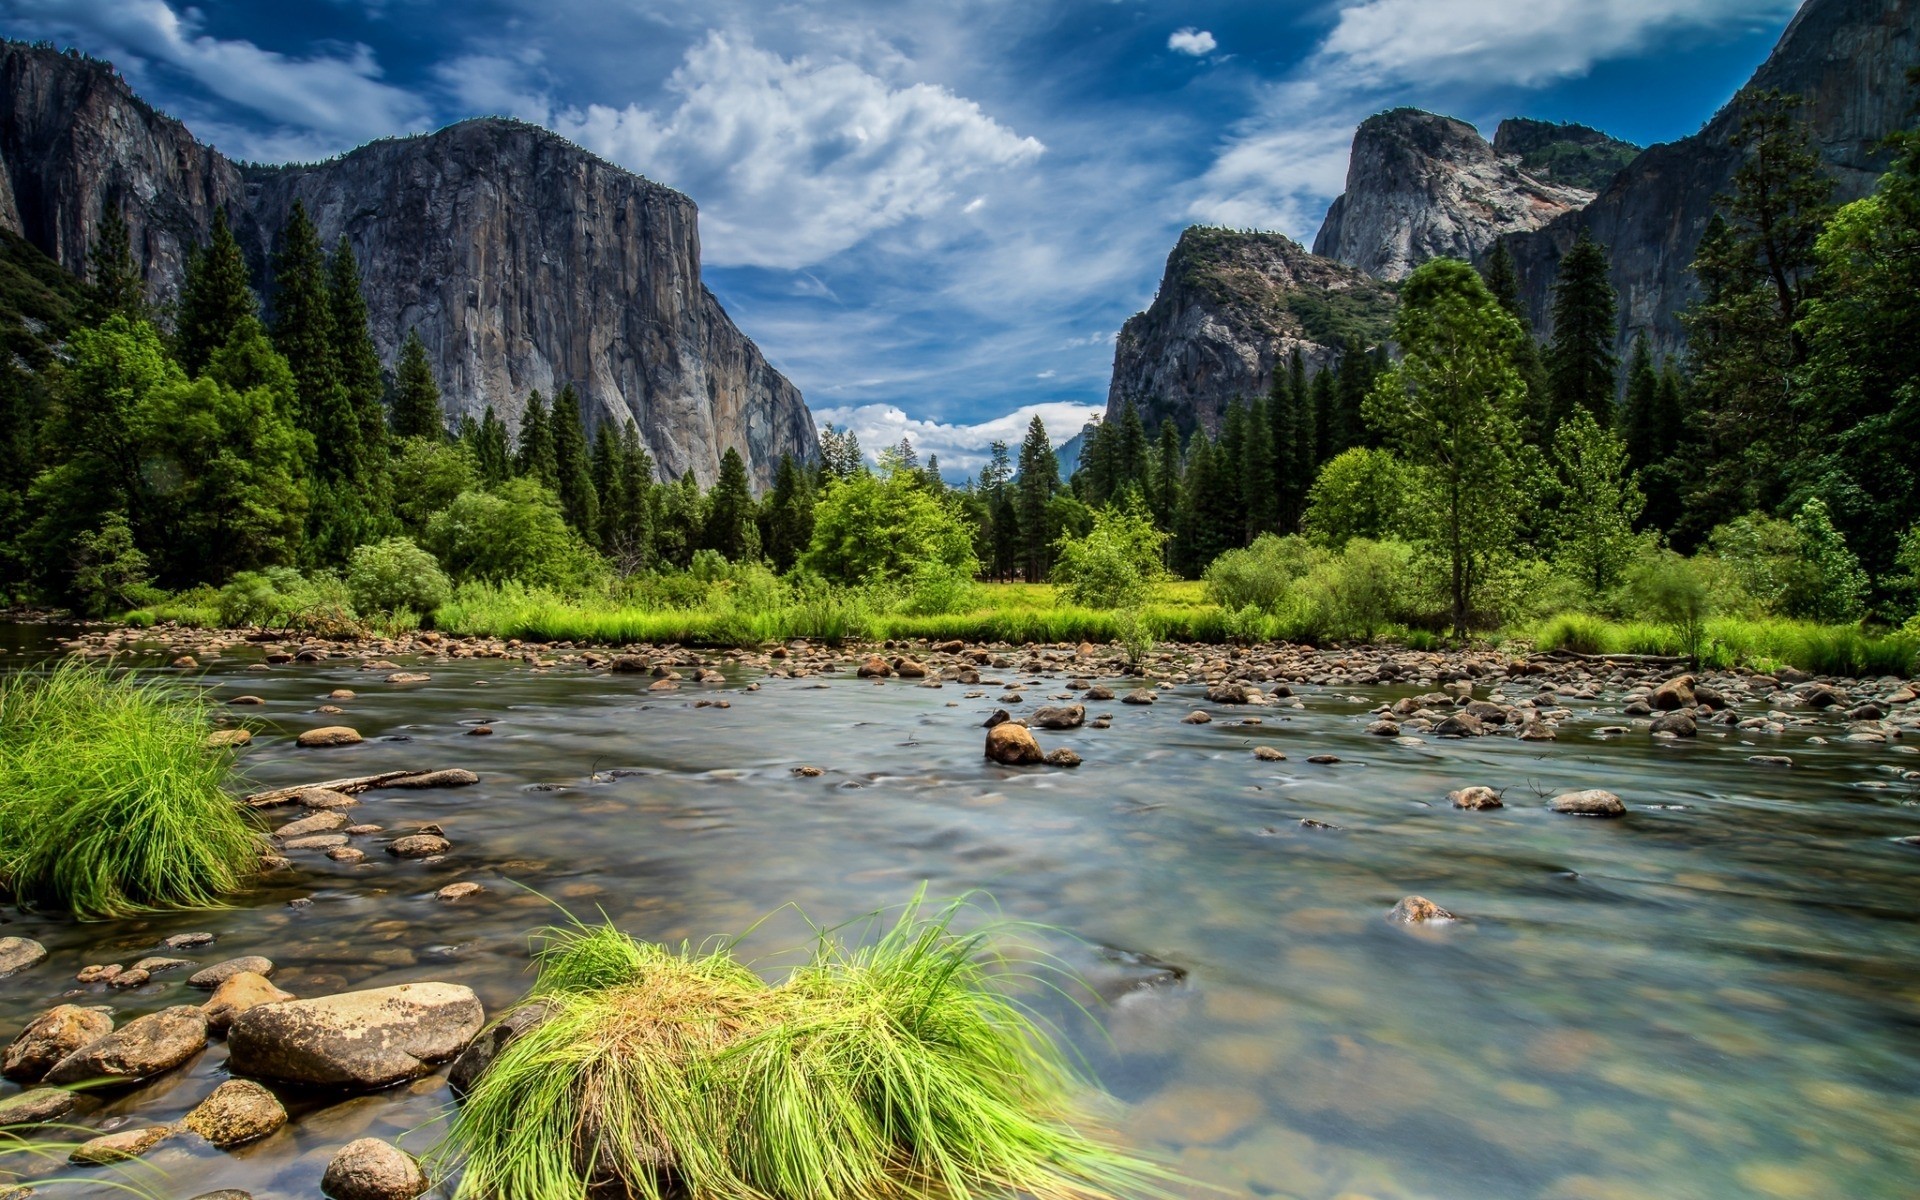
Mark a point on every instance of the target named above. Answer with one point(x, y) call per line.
point(515, 532)
point(1678, 591)
point(1799, 568)
point(1116, 563)
point(395, 574)
point(867, 529)
point(282, 598)
point(892, 1070)
point(110, 800)
point(1357, 592)
point(1358, 493)
point(109, 572)
point(1263, 575)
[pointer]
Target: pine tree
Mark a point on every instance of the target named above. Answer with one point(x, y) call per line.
point(534, 457)
point(359, 361)
point(1355, 380)
point(1259, 493)
point(1134, 453)
point(1283, 416)
point(1638, 415)
point(490, 449)
point(1581, 362)
point(1503, 281)
point(632, 546)
point(114, 280)
point(416, 394)
point(607, 482)
point(732, 527)
point(303, 332)
point(215, 298)
point(1325, 426)
point(1038, 480)
point(1166, 476)
point(786, 523)
point(1230, 459)
point(573, 472)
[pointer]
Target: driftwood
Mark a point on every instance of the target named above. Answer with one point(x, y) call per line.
point(361, 783)
point(1651, 660)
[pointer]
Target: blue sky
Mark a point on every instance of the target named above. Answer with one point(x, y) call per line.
point(933, 216)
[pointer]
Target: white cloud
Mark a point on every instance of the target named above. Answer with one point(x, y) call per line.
point(333, 102)
point(795, 160)
point(960, 447)
point(1526, 42)
point(1197, 42)
point(1280, 166)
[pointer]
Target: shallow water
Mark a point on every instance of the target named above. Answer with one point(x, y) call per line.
point(1717, 996)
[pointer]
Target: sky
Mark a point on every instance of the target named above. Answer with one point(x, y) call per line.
point(932, 215)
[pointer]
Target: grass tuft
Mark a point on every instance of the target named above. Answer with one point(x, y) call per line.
point(110, 800)
point(887, 1071)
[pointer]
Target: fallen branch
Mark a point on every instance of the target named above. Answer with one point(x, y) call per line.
point(361, 783)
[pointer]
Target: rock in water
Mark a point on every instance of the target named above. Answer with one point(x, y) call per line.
point(362, 1040)
point(328, 736)
point(220, 972)
point(1678, 724)
point(1070, 716)
point(119, 1147)
point(239, 993)
point(1012, 745)
point(1590, 803)
point(371, 1169)
point(238, 1112)
point(138, 1050)
point(50, 1037)
point(1475, 798)
point(1418, 910)
point(477, 1057)
point(40, 1106)
point(18, 953)
point(1674, 694)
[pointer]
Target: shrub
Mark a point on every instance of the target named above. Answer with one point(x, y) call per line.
point(1358, 493)
point(110, 800)
point(1798, 568)
point(892, 1070)
point(936, 589)
point(109, 571)
point(1359, 591)
point(1678, 591)
point(282, 598)
point(1116, 563)
point(867, 529)
point(387, 576)
point(515, 532)
point(1262, 575)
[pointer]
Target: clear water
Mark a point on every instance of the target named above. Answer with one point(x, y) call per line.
point(1717, 996)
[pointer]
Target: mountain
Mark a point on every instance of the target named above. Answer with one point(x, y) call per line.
point(522, 260)
point(1231, 306)
point(1575, 155)
point(1847, 58)
point(1422, 186)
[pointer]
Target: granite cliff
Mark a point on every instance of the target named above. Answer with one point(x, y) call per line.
point(522, 260)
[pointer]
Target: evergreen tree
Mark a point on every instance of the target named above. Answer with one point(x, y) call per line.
point(607, 482)
point(1166, 476)
point(1003, 521)
point(304, 334)
point(490, 449)
point(1259, 495)
point(115, 284)
point(1581, 363)
point(731, 526)
point(359, 361)
point(1639, 414)
point(786, 522)
point(1133, 453)
point(1230, 463)
point(632, 546)
point(1503, 281)
point(1039, 478)
point(534, 457)
point(573, 471)
point(416, 394)
point(1324, 404)
point(1352, 383)
point(1206, 525)
point(1283, 435)
point(215, 298)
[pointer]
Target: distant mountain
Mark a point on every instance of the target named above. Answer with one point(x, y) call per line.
point(1572, 155)
point(522, 260)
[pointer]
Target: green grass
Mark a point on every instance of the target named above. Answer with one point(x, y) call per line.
point(24, 1159)
point(110, 801)
point(892, 1070)
point(1740, 642)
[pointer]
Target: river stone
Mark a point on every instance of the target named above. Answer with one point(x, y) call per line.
point(36, 1107)
point(477, 1057)
point(50, 1037)
point(367, 1039)
point(238, 993)
point(1137, 696)
point(347, 854)
point(315, 841)
point(418, 845)
point(18, 953)
point(1228, 692)
point(220, 972)
point(222, 1194)
point(1673, 694)
point(1592, 802)
point(370, 1169)
point(239, 1111)
point(1770, 760)
point(1475, 798)
point(451, 777)
point(874, 668)
point(459, 891)
point(328, 735)
point(1012, 745)
point(228, 739)
point(1417, 910)
point(408, 677)
point(119, 1147)
point(1460, 724)
point(1068, 716)
point(1822, 696)
point(323, 799)
point(1097, 693)
point(1678, 724)
point(1538, 731)
point(320, 822)
point(137, 1050)
point(1268, 754)
point(1197, 717)
point(1060, 756)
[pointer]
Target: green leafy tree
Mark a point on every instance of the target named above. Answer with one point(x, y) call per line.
point(1448, 408)
point(732, 527)
point(215, 298)
point(109, 571)
point(679, 521)
point(1834, 588)
point(416, 394)
point(1581, 363)
point(1591, 530)
point(1116, 563)
point(513, 533)
point(428, 475)
point(395, 574)
point(871, 528)
point(1676, 590)
point(1360, 493)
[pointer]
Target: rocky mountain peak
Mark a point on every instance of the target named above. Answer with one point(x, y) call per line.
point(1422, 186)
point(1575, 155)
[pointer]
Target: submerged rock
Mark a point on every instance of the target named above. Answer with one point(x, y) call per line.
point(1070, 716)
point(328, 736)
point(1268, 754)
point(1593, 802)
point(1060, 756)
point(370, 1169)
point(119, 1147)
point(418, 845)
point(50, 1037)
point(37, 1107)
point(239, 1111)
point(365, 1040)
point(18, 953)
point(1418, 910)
point(1676, 724)
point(140, 1049)
point(1475, 798)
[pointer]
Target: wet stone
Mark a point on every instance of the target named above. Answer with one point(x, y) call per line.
point(39, 1106)
point(217, 974)
point(1475, 798)
point(418, 845)
point(118, 1147)
point(18, 953)
point(1418, 910)
point(1593, 802)
point(239, 1111)
point(50, 1037)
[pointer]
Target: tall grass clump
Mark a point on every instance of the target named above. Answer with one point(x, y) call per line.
point(893, 1070)
point(110, 799)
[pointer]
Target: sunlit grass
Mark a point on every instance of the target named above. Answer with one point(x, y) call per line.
point(893, 1070)
point(111, 801)
point(1740, 642)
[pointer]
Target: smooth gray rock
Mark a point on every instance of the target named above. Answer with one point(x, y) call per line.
point(1592, 802)
point(361, 1040)
point(18, 953)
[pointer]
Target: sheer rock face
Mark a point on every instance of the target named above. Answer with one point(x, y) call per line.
point(1848, 58)
point(1231, 307)
point(522, 260)
point(1421, 187)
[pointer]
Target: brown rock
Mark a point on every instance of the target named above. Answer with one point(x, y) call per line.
point(140, 1049)
point(1590, 803)
point(1197, 717)
point(1673, 694)
point(239, 1111)
point(1070, 716)
point(50, 1037)
point(451, 777)
point(418, 845)
point(212, 977)
point(119, 1147)
point(1268, 754)
point(459, 891)
point(39, 1106)
point(1417, 910)
point(370, 1169)
point(18, 953)
point(228, 739)
point(1012, 745)
point(1475, 797)
point(237, 994)
point(327, 736)
point(366, 1039)
point(1060, 756)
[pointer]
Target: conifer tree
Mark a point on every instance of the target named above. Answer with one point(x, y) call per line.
point(534, 456)
point(416, 394)
point(1325, 427)
point(1283, 435)
point(1230, 462)
point(1259, 497)
point(1166, 476)
point(633, 535)
point(607, 483)
point(490, 449)
point(1503, 281)
point(215, 298)
point(1638, 415)
point(1038, 480)
point(1581, 363)
point(304, 334)
point(1352, 382)
point(115, 284)
point(573, 472)
point(786, 523)
point(1134, 452)
point(359, 361)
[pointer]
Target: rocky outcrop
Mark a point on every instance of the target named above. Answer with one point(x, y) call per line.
point(1573, 155)
point(522, 260)
point(1847, 58)
point(1231, 307)
point(1421, 186)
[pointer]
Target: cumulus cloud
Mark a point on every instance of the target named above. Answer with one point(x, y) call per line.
point(1197, 42)
point(960, 447)
point(796, 160)
point(1526, 42)
point(1281, 165)
point(323, 101)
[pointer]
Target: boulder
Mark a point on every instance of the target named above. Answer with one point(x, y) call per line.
point(1538, 731)
point(239, 1111)
point(1679, 724)
point(1418, 910)
point(874, 668)
point(1060, 756)
point(365, 1040)
point(418, 845)
point(1460, 724)
point(228, 739)
point(1268, 754)
point(1068, 716)
point(40, 1106)
point(18, 953)
point(50, 1037)
point(1384, 728)
point(1227, 692)
point(119, 1147)
point(1012, 745)
point(320, 822)
point(1197, 717)
point(1673, 694)
point(479, 1055)
point(220, 972)
point(629, 664)
point(328, 735)
point(1592, 802)
point(140, 1049)
point(239, 993)
point(1475, 798)
point(1138, 696)
point(370, 1169)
